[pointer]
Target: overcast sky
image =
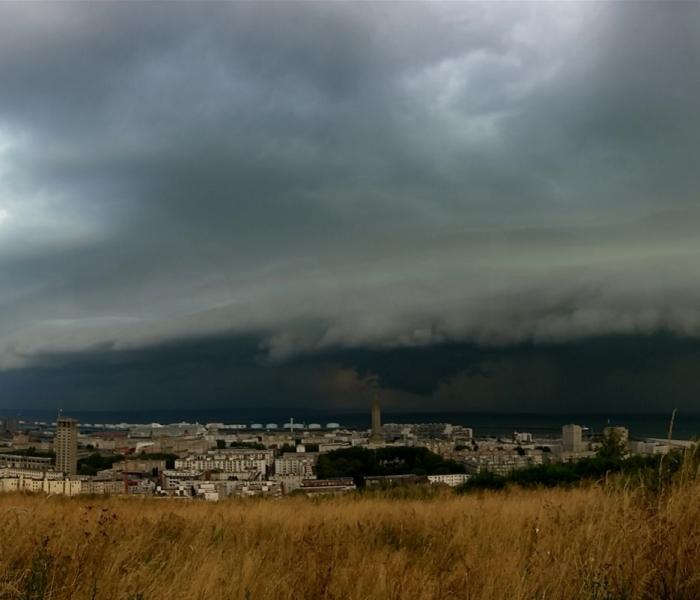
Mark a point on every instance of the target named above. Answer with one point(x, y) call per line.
point(259, 203)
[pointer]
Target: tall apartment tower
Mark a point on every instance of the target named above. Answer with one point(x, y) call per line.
point(571, 437)
point(376, 435)
point(66, 445)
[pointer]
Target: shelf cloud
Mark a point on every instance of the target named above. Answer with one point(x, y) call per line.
point(313, 180)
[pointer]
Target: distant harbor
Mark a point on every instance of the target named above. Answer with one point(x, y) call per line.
point(686, 426)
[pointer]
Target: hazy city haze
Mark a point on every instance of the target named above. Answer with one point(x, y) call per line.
point(476, 206)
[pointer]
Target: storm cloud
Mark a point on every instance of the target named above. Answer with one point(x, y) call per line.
point(306, 180)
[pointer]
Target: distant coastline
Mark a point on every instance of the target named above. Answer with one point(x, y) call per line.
point(686, 426)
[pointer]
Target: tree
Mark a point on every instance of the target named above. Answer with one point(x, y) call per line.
point(612, 446)
point(97, 462)
point(168, 458)
point(360, 462)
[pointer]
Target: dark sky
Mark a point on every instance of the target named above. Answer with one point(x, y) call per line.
point(474, 206)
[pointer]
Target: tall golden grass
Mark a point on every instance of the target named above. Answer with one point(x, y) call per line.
point(595, 542)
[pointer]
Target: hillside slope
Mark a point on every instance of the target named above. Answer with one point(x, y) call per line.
point(556, 544)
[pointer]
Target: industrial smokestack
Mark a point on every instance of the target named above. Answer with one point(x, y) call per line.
point(376, 436)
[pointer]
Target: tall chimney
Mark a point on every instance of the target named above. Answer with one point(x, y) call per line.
point(376, 435)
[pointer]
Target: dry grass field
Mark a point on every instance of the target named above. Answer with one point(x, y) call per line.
point(593, 542)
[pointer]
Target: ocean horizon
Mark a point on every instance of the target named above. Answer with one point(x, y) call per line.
point(686, 425)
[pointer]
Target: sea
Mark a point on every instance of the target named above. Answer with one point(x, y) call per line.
point(686, 426)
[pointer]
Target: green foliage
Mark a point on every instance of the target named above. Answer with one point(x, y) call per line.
point(97, 462)
point(361, 462)
point(168, 458)
point(612, 446)
point(676, 467)
point(32, 451)
point(646, 468)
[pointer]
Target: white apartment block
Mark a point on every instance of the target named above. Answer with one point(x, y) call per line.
point(301, 466)
point(224, 464)
point(65, 487)
point(175, 479)
point(648, 448)
point(29, 473)
point(252, 488)
point(216, 490)
point(453, 479)
point(502, 463)
point(30, 463)
point(40, 484)
point(208, 490)
point(228, 461)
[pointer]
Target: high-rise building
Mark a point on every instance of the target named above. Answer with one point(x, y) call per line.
point(571, 437)
point(376, 436)
point(66, 445)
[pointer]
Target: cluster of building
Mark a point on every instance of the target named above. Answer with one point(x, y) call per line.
point(216, 460)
